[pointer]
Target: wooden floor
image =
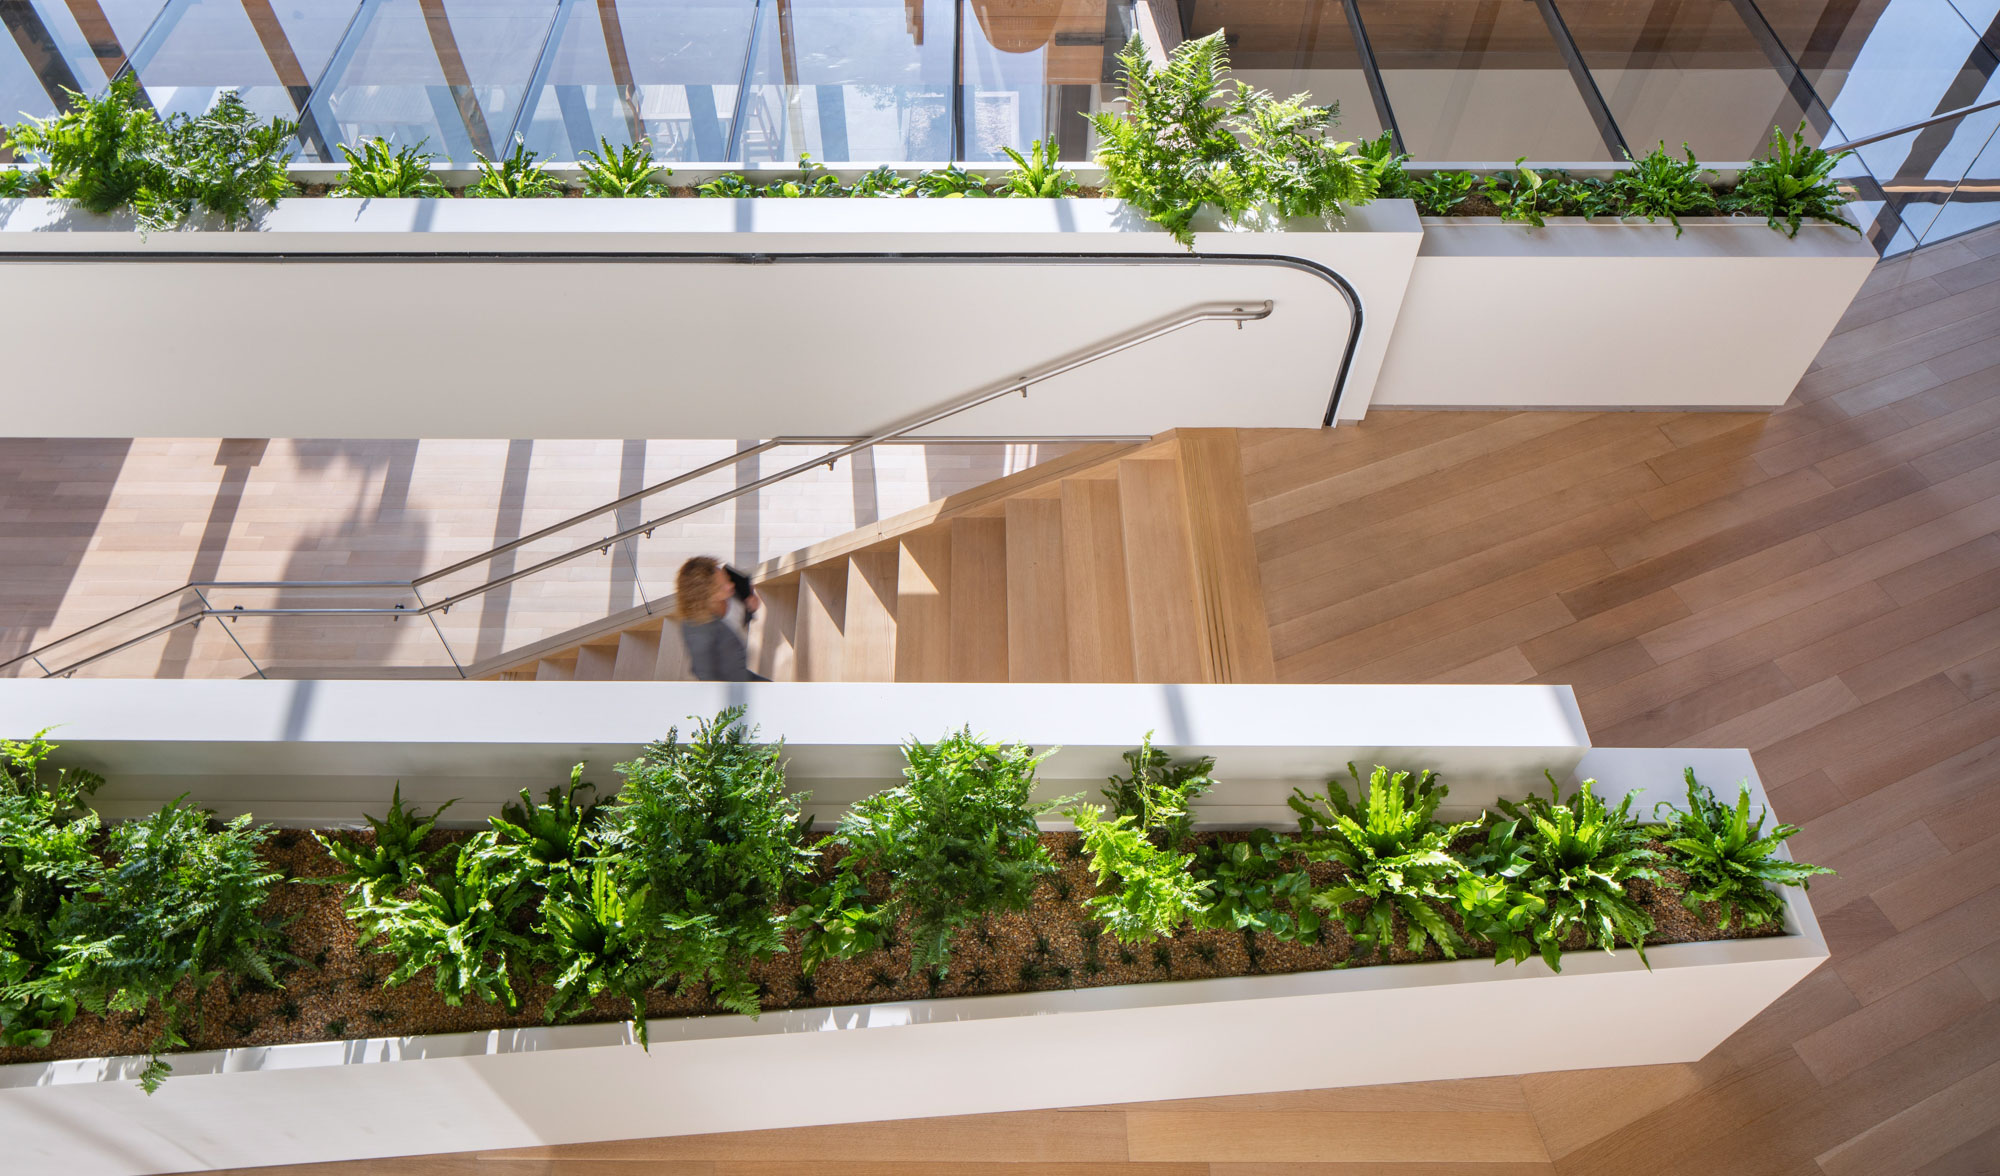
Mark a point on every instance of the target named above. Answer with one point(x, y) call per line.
point(1821, 585)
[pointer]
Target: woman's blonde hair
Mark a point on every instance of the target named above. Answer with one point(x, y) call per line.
point(694, 589)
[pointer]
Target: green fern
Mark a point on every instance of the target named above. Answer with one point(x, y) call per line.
point(99, 152)
point(392, 863)
point(1793, 183)
point(224, 162)
point(594, 943)
point(386, 172)
point(458, 922)
point(1562, 866)
point(948, 183)
point(622, 172)
point(515, 176)
point(1142, 848)
point(1658, 185)
point(1038, 175)
point(1729, 859)
point(1395, 856)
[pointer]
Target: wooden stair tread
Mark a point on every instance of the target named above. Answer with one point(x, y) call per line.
point(1037, 620)
point(1100, 622)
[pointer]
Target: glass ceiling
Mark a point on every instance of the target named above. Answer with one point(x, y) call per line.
point(872, 81)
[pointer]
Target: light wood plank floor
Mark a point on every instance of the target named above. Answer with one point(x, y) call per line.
point(1821, 585)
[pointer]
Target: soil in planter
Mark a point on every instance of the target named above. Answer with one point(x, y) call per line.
point(337, 992)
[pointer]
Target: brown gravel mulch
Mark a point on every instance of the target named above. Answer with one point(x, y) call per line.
point(337, 992)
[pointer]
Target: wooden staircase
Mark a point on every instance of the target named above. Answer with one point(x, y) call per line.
point(1116, 563)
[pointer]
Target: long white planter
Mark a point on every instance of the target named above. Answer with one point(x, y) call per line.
point(1610, 314)
point(397, 1096)
point(613, 318)
point(327, 751)
point(641, 318)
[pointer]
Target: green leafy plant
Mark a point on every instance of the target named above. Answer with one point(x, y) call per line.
point(394, 860)
point(593, 941)
point(17, 182)
point(515, 176)
point(956, 842)
point(176, 906)
point(728, 187)
point(386, 172)
point(224, 162)
point(1440, 193)
point(706, 839)
point(1143, 847)
point(46, 830)
point(1038, 175)
point(1523, 195)
point(1793, 183)
point(459, 922)
point(1395, 856)
point(1380, 157)
point(540, 837)
point(622, 172)
point(1561, 867)
point(1259, 883)
point(1191, 138)
point(946, 183)
point(1729, 859)
point(1659, 185)
point(814, 181)
point(99, 152)
point(883, 181)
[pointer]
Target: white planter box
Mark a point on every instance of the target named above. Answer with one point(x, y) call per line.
point(393, 1096)
point(1611, 314)
point(640, 318)
point(633, 318)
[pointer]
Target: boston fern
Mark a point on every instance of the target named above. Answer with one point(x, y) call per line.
point(99, 152)
point(1562, 867)
point(705, 839)
point(957, 842)
point(1142, 848)
point(1729, 859)
point(175, 906)
point(1396, 860)
point(225, 162)
point(382, 171)
point(46, 831)
point(1191, 138)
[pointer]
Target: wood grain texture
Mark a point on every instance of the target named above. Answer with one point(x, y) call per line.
point(1238, 634)
point(868, 640)
point(1100, 632)
point(1814, 584)
point(923, 606)
point(1167, 636)
point(1037, 606)
point(978, 600)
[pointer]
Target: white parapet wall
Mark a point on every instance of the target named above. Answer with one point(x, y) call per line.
point(316, 752)
point(1610, 314)
point(760, 318)
point(516, 1088)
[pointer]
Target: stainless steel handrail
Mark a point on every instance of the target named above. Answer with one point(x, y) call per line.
point(1906, 128)
point(1210, 312)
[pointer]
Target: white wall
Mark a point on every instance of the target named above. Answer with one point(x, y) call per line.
point(240, 343)
point(1201, 1038)
point(317, 751)
point(1611, 315)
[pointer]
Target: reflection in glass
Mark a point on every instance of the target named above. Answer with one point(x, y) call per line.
point(1478, 80)
point(1032, 71)
point(1688, 71)
point(663, 70)
point(1288, 48)
point(44, 54)
point(1891, 62)
point(1975, 202)
point(268, 51)
point(452, 72)
point(849, 80)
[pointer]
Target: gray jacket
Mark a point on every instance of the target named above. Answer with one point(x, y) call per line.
point(716, 653)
